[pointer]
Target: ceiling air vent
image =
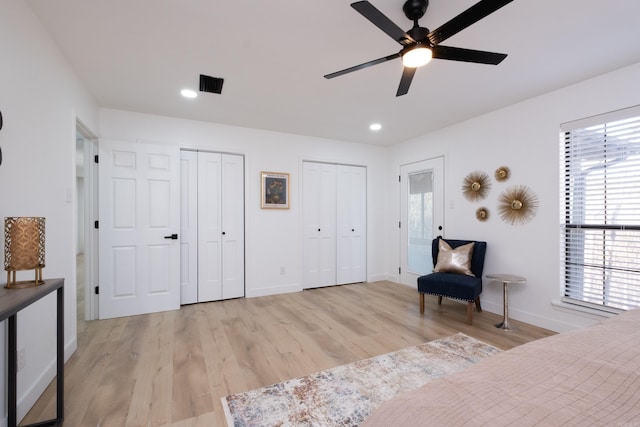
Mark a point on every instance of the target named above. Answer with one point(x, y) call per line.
point(210, 84)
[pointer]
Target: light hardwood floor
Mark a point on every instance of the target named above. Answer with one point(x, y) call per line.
point(172, 368)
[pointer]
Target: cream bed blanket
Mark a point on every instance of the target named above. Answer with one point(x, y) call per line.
point(586, 377)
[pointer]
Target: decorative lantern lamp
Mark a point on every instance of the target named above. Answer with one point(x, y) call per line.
point(23, 249)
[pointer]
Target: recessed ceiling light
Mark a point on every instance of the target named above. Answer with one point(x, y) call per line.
point(188, 93)
point(375, 127)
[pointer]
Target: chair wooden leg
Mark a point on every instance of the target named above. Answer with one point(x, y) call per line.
point(439, 300)
point(421, 303)
point(470, 312)
point(478, 307)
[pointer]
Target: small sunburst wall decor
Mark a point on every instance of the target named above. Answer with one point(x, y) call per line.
point(476, 186)
point(517, 205)
point(482, 214)
point(502, 173)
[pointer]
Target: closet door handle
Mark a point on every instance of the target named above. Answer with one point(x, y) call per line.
point(172, 237)
point(318, 229)
point(223, 233)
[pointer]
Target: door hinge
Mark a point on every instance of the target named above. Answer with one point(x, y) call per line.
point(96, 224)
point(96, 290)
point(95, 159)
point(399, 270)
point(399, 178)
point(399, 224)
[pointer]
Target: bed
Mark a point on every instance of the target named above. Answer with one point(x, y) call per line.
point(586, 377)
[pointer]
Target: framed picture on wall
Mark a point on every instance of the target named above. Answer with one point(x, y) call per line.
point(275, 190)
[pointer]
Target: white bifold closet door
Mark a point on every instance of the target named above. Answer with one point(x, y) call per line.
point(188, 227)
point(334, 223)
point(351, 193)
point(319, 223)
point(213, 225)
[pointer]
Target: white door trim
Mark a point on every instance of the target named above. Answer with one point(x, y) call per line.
point(90, 149)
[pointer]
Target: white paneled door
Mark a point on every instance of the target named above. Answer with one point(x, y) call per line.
point(319, 224)
point(209, 190)
point(351, 224)
point(213, 218)
point(188, 227)
point(334, 204)
point(232, 226)
point(139, 212)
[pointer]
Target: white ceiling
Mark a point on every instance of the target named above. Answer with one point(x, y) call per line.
point(137, 54)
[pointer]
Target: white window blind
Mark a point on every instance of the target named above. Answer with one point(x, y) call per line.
point(601, 210)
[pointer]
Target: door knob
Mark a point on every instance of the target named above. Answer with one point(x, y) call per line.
point(172, 237)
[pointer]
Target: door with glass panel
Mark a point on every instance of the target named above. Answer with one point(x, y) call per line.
point(421, 216)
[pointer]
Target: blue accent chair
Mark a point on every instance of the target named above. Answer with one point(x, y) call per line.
point(453, 285)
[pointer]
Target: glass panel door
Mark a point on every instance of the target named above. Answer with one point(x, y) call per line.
point(421, 216)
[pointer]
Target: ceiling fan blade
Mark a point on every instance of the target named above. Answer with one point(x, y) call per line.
point(467, 55)
point(361, 66)
point(466, 19)
point(405, 81)
point(378, 19)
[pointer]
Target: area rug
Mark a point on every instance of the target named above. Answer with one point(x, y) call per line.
point(345, 395)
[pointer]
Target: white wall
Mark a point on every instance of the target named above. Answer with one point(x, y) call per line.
point(273, 237)
point(39, 98)
point(524, 137)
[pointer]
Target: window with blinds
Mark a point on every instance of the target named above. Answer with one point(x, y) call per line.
point(601, 210)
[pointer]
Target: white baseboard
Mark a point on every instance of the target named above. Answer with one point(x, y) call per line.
point(412, 286)
point(274, 290)
point(378, 278)
point(33, 392)
point(383, 277)
point(530, 318)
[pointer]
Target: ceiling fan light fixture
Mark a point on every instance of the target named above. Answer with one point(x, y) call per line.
point(417, 56)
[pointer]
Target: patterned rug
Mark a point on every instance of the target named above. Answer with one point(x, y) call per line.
point(345, 395)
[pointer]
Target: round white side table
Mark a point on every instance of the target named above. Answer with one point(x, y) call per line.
point(506, 279)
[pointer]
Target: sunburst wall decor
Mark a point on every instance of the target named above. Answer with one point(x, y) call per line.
point(476, 186)
point(482, 214)
point(517, 204)
point(502, 173)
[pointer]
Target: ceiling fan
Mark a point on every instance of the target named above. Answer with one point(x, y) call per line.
point(419, 44)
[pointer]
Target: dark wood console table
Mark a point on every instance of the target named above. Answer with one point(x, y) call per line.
point(11, 302)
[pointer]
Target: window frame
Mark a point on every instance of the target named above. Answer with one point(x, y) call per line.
point(569, 287)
